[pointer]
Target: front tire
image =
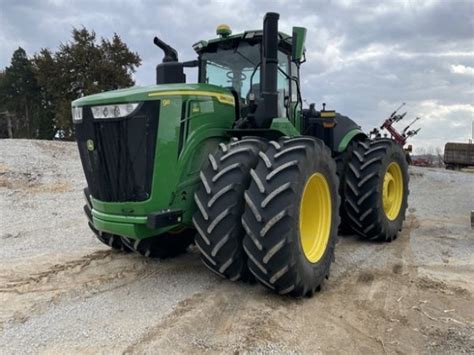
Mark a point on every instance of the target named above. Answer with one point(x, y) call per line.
point(291, 217)
point(376, 189)
point(220, 202)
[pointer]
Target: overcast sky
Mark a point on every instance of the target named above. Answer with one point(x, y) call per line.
point(363, 57)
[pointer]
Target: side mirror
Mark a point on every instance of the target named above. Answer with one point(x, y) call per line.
point(297, 43)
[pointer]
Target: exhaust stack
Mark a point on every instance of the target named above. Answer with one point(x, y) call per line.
point(171, 55)
point(170, 71)
point(267, 107)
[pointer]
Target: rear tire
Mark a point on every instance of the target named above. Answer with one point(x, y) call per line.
point(275, 243)
point(342, 160)
point(364, 189)
point(163, 246)
point(220, 204)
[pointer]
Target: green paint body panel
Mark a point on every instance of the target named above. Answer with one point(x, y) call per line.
point(176, 174)
point(142, 93)
point(298, 49)
point(284, 125)
point(344, 143)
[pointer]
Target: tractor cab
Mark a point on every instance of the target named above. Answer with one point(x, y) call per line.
point(234, 62)
point(260, 68)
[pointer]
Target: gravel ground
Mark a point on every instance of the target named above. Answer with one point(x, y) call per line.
point(62, 291)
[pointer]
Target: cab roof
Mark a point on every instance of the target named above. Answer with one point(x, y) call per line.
point(253, 36)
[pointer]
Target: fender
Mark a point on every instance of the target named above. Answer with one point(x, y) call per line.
point(345, 131)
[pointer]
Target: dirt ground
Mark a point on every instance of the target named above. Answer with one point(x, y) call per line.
point(61, 291)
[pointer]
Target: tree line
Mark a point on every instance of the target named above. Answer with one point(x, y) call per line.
point(36, 92)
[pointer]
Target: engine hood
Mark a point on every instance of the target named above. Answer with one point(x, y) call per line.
point(156, 92)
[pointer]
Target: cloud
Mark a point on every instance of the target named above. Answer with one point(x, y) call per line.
point(462, 69)
point(363, 57)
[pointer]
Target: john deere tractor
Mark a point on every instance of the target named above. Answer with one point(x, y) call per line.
point(236, 165)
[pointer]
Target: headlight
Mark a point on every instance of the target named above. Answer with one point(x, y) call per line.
point(76, 114)
point(113, 111)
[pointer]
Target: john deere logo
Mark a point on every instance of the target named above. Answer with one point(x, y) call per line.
point(90, 145)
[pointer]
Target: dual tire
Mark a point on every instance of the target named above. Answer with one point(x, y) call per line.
point(220, 205)
point(291, 218)
point(269, 210)
point(374, 189)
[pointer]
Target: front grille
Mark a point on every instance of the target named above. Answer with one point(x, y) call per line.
point(119, 168)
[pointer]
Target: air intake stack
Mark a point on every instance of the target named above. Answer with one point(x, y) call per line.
point(267, 104)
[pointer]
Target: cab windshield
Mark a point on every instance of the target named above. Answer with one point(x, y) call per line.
point(238, 68)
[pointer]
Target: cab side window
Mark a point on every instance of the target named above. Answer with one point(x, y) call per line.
point(294, 89)
point(283, 84)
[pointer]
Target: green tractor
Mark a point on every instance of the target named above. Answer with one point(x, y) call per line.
point(235, 165)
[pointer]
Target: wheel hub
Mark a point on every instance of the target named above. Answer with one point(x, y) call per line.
point(315, 217)
point(392, 194)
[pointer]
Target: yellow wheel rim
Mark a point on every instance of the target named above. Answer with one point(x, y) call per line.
point(392, 191)
point(315, 217)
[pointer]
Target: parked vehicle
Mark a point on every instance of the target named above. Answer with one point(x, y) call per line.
point(458, 155)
